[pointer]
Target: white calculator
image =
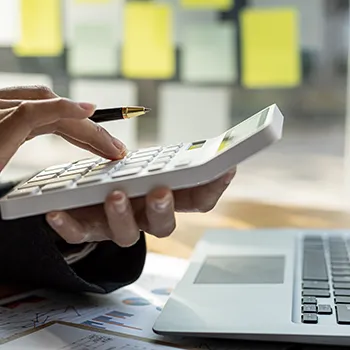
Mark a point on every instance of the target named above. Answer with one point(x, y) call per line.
point(88, 181)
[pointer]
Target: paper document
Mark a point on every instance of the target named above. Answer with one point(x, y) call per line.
point(65, 337)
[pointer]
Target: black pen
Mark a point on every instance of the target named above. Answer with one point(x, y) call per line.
point(110, 114)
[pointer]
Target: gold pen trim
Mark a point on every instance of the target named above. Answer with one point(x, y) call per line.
point(132, 112)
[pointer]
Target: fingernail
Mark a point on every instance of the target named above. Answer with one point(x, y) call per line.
point(119, 145)
point(161, 203)
point(119, 202)
point(87, 106)
point(56, 219)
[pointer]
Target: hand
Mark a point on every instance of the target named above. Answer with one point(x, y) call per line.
point(120, 220)
point(26, 112)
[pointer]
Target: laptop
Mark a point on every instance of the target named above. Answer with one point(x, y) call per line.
point(268, 285)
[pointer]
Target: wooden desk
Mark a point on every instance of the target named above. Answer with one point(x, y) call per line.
point(242, 215)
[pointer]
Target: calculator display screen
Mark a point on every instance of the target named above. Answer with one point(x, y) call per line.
point(259, 120)
point(195, 145)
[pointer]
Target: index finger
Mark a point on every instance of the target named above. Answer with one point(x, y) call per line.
point(31, 92)
point(18, 122)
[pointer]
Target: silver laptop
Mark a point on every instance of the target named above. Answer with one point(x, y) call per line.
point(271, 285)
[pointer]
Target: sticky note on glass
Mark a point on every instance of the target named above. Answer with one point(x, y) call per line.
point(270, 48)
point(40, 28)
point(93, 51)
point(209, 53)
point(148, 51)
point(208, 4)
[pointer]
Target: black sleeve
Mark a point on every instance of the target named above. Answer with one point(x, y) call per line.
point(30, 255)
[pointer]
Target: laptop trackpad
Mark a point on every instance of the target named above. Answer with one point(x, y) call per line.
point(242, 270)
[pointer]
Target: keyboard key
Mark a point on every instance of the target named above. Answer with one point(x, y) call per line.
point(152, 150)
point(309, 318)
point(341, 273)
point(24, 192)
point(341, 285)
point(318, 293)
point(309, 300)
point(341, 279)
point(324, 309)
point(126, 172)
point(89, 180)
point(35, 183)
point(340, 266)
point(342, 293)
point(342, 300)
point(314, 266)
point(315, 285)
point(155, 167)
point(81, 166)
point(309, 308)
point(343, 314)
point(57, 186)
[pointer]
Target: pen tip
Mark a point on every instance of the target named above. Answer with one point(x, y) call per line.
point(147, 110)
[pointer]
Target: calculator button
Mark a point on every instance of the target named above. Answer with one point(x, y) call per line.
point(89, 180)
point(24, 192)
point(135, 165)
point(155, 167)
point(58, 167)
point(140, 158)
point(149, 149)
point(42, 178)
point(89, 161)
point(70, 172)
point(57, 186)
point(126, 172)
point(51, 172)
point(168, 154)
point(162, 160)
point(183, 162)
point(34, 184)
point(81, 166)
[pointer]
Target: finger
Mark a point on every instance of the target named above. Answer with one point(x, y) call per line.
point(120, 217)
point(31, 92)
point(203, 198)
point(75, 231)
point(5, 104)
point(83, 146)
point(21, 120)
point(93, 135)
point(160, 212)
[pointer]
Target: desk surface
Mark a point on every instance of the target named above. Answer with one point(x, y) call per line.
point(242, 215)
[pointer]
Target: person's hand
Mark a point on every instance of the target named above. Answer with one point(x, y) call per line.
point(26, 112)
point(120, 220)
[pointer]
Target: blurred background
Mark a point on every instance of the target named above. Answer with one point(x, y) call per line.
point(202, 66)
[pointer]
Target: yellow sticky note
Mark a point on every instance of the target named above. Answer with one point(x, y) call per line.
point(270, 48)
point(40, 28)
point(148, 51)
point(208, 4)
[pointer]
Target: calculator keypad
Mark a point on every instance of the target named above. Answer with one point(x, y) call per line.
point(94, 170)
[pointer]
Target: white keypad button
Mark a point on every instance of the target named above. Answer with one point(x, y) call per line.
point(126, 172)
point(42, 178)
point(57, 186)
point(24, 192)
point(136, 158)
point(135, 165)
point(51, 172)
point(162, 160)
point(58, 167)
point(183, 162)
point(89, 180)
point(155, 167)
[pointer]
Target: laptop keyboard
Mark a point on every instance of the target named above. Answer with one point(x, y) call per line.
point(325, 279)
